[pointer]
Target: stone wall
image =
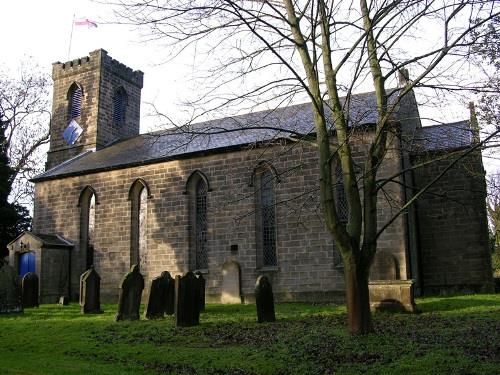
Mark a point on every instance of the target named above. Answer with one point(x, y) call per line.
point(452, 225)
point(306, 269)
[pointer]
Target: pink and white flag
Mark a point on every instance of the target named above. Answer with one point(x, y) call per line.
point(85, 22)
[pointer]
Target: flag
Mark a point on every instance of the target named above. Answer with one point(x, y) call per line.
point(85, 22)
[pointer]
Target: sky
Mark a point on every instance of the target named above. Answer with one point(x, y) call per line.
point(43, 32)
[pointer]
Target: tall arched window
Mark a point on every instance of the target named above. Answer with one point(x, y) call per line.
point(87, 203)
point(197, 188)
point(265, 196)
point(75, 96)
point(339, 193)
point(119, 106)
point(341, 205)
point(138, 195)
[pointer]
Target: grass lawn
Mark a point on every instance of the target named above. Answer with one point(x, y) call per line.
point(455, 335)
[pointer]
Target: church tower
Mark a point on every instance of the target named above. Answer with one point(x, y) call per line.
point(96, 102)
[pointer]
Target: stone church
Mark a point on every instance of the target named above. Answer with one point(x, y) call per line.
point(238, 197)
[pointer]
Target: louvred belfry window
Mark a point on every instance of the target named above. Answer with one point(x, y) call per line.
point(268, 218)
point(201, 225)
point(76, 102)
point(119, 106)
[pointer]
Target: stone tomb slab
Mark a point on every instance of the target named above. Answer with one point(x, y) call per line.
point(10, 290)
point(230, 288)
point(264, 300)
point(129, 300)
point(158, 296)
point(30, 290)
point(90, 292)
point(201, 285)
point(187, 300)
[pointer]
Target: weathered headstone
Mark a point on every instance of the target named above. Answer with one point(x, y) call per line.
point(63, 301)
point(201, 286)
point(230, 288)
point(129, 301)
point(10, 291)
point(90, 292)
point(29, 286)
point(170, 297)
point(158, 296)
point(187, 300)
point(264, 300)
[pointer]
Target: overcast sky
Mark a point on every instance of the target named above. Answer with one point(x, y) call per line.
point(40, 31)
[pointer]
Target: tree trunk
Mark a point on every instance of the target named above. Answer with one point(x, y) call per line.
point(359, 317)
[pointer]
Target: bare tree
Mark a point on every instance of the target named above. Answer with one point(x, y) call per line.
point(25, 115)
point(255, 54)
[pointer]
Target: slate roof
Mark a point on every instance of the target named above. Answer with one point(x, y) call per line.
point(217, 136)
point(442, 137)
point(48, 240)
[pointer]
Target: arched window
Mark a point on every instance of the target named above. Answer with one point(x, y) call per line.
point(339, 194)
point(75, 96)
point(87, 203)
point(341, 205)
point(119, 106)
point(138, 195)
point(265, 196)
point(197, 188)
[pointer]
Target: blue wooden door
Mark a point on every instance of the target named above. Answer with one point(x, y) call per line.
point(26, 263)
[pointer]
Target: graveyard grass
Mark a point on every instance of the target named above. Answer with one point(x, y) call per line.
point(455, 335)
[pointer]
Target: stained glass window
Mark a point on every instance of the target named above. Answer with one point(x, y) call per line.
point(341, 199)
point(201, 225)
point(268, 218)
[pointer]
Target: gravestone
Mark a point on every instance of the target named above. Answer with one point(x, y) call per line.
point(29, 286)
point(230, 288)
point(264, 300)
point(158, 296)
point(187, 300)
point(385, 267)
point(129, 301)
point(170, 297)
point(10, 290)
point(201, 286)
point(90, 292)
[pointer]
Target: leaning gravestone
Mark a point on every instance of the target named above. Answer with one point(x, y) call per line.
point(201, 286)
point(158, 296)
point(29, 286)
point(230, 288)
point(264, 300)
point(90, 292)
point(10, 291)
point(187, 300)
point(130, 295)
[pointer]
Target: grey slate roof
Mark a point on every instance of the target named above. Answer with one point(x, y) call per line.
point(442, 137)
point(217, 136)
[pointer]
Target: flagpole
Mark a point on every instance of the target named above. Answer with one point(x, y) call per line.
point(71, 35)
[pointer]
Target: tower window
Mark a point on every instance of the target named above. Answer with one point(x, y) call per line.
point(119, 106)
point(75, 96)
